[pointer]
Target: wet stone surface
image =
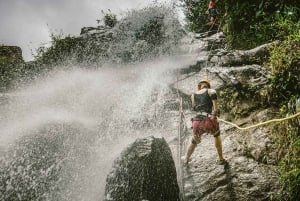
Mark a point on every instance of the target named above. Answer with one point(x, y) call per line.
point(242, 179)
point(247, 176)
point(144, 171)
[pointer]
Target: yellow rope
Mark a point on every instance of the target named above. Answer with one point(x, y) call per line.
point(262, 123)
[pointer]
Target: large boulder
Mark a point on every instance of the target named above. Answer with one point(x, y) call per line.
point(144, 171)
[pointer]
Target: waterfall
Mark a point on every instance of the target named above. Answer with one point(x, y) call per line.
point(60, 135)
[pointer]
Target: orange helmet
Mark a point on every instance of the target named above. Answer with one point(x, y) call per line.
point(204, 81)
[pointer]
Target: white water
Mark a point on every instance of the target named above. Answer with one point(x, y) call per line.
point(111, 107)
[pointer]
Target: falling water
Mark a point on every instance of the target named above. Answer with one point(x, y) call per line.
point(60, 135)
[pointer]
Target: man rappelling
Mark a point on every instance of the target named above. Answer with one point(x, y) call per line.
point(212, 12)
point(205, 103)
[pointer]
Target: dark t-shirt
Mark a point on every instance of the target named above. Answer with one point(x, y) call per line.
point(203, 100)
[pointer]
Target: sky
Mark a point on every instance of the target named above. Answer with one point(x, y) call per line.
point(29, 23)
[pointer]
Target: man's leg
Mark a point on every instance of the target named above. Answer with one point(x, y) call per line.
point(190, 151)
point(218, 144)
point(215, 130)
point(195, 140)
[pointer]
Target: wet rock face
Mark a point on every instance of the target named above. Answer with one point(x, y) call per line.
point(10, 54)
point(11, 66)
point(257, 55)
point(243, 88)
point(240, 81)
point(242, 179)
point(100, 33)
point(256, 143)
point(246, 75)
point(144, 171)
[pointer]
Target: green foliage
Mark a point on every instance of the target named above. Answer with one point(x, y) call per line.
point(252, 23)
point(287, 141)
point(284, 91)
point(292, 180)
point(285, 64)
point(197, 16)
point(62, 50)
point(109, 19)
point(239, 101)
point(267, 25)
point(247, 23)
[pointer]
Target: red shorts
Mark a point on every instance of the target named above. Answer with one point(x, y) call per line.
point(209, 124)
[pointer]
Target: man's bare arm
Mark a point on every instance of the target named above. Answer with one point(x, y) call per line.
point(215, 107)
point(193, 101)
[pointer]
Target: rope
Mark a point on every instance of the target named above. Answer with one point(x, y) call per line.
point(209, 53)
point(180, 132)
point(262, 123)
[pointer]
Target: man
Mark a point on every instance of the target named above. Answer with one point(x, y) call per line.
point(205, 103)
point(212, 10)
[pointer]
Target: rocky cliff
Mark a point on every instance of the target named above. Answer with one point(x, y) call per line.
point(240, 79)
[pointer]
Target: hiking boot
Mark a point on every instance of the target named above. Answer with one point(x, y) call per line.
point(222, 162)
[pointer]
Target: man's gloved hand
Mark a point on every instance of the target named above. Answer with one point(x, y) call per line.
point(216, 113)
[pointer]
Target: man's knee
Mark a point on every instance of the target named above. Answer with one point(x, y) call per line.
point(217, 133)
point(195, 141)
